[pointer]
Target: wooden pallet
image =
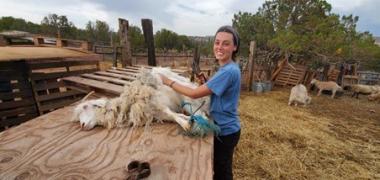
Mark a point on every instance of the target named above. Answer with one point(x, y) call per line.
point(51, 93)
point(17, 104)
point(110, 82)
point(290, 75)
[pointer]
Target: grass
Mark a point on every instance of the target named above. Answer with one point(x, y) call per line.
point(328, 139)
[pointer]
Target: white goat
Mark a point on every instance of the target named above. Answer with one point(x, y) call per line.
point(298, 94)
point(364, 89)
point(329, 85)
point(144, 100)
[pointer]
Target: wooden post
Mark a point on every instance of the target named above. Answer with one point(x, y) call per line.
point(149, 40)
point(114, 58)
point(251, 64)
point(326, 70)
point(3, 41)
point(195, 65)
point(38, 40)
point(126, 55)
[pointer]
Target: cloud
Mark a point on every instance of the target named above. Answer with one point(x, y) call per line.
point(189, 17)
point(369, 18)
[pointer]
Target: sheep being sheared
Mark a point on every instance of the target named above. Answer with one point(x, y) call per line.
point(364, 89)
point(298, 94)
point(329, 85)
point(147, 99)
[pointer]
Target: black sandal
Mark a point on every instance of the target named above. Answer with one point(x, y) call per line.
point(138, 170)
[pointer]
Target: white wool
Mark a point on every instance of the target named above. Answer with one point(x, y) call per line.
point(146, 99)
point(364, 89)
point(328, 85)
point(298, 94)
point(374, 96)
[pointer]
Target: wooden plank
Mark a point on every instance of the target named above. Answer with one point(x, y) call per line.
point(15, 104)
point(112, 88)
point(120, 76)
point(122, 72)
point(134, 71)
point(48, 85)
point(40, 76)
point(58, 104)
point(106, 79)
point(58, 95)
point(56, 64)
point(12, 95)
point(17, 120)
point(52, 147)
point(19, 110)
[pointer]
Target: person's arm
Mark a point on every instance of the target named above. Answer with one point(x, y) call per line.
point(198, 92)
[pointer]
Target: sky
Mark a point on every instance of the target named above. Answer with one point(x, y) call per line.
point(185, 17)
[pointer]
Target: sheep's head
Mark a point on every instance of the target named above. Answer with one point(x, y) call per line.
point(86, 113)
point(308, 100)
point(313, 81)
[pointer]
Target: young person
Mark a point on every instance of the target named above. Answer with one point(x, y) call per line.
point(224, 88)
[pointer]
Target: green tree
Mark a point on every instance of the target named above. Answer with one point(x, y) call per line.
point(98, 31)
point(305, 30)
point(58, 26)
point(136, 39)
point(11, 23)
point(165, 39)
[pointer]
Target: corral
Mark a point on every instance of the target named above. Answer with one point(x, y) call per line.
point(328, 139)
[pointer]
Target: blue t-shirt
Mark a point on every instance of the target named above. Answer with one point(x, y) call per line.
point(225, 85)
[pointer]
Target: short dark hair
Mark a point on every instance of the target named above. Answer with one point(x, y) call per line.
point(235, 35)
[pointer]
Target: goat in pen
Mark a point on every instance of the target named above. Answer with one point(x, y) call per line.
point(146, 100)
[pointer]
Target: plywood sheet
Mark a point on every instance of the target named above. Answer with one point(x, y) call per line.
point(52, 147)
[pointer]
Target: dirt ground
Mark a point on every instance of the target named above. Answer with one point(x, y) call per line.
point(328, 139)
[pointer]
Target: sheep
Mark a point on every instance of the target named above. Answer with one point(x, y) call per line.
point(375, 96)
point(364, 89)
point(329, 85)
point(147, 99)
point(298, 94)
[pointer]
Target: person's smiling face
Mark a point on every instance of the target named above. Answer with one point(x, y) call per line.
point(224, 46)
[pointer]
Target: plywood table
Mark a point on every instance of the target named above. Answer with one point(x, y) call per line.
point(51, 146)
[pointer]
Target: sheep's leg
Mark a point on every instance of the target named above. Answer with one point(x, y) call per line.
point(353, 94)
point(290, 101)
point(179, 118)
point(333, 94)
point(319, 92)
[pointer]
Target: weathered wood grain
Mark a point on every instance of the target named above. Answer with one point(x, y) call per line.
point(52, 147)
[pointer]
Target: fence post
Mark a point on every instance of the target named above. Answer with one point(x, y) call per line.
point(126, 55)
point(149, 40)
point(251, 64)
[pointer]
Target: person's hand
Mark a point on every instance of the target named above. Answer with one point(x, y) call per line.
point(201, 78)
point(165, 80)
